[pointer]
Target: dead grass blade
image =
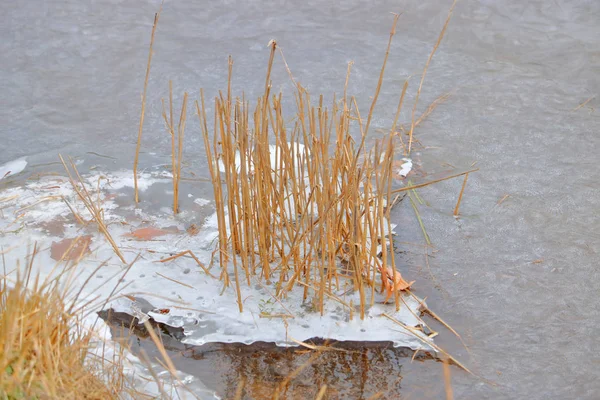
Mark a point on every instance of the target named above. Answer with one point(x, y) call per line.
point(415, 333)
point(423, 184)
point(191, 254)
point(167, 363)
point(321, 393)
point(462, 189)
point(432, 107)
point(92, 207)
point(141, 125)
point(305, 205)
point(435, 47)
point(174, 280)
point(46, 348)
point(447, 380)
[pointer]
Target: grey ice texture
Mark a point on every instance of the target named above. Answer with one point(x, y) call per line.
point(72, 76)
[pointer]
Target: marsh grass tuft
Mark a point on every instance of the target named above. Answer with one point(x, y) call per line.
point(48, 351)
point(302, 203)
point(44, 349)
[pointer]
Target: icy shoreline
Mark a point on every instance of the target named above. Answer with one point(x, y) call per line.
point(178, 293)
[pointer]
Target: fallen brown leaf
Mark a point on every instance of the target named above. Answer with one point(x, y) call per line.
point(395, 282)
point(150, 233)
point(67, 250)
point(193, 230)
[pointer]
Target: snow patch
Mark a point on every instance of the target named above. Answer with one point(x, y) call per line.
point(195, 301)
point(406, 167)
point(12, 167)
point(201, 202)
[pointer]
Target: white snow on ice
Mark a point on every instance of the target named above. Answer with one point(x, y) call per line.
point(12, 167)
point(406, 167)
point(195, 300)
point(201, 202)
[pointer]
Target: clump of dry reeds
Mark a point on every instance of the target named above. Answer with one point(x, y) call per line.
point(304, 204)
point(43, 348)
point(46, 352)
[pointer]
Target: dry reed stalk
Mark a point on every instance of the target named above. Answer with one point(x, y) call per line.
point(191, 254)
point(447, 380)
point(322, 392)
point(93, 208)
point(416, 335)
point(435, 47)
point(232, 188)
point(289, 313)
point(166, 361)
point(387, 52)
point(432, 107)
point(418, 215)
point(584, 103)
point(420, 185)
point(462, 189)
point(75, 213)
point(393, 129)
point(213, 166)
point(176, 142)
point(141, 125)
point(43, 199)
point(506, 196)
point(174, 280)
point(441, 321)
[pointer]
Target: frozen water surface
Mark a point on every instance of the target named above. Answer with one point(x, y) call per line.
point(516, 274)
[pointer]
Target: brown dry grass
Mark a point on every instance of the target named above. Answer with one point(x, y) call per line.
point(43, 348)
point(46, 352)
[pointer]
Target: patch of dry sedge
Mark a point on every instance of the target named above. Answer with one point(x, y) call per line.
point(42, 348)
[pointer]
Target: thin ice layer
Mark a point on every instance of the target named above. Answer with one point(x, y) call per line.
point(12, 167)
point(179, 292)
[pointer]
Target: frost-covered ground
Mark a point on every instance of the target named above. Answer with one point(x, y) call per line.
point(516, 274)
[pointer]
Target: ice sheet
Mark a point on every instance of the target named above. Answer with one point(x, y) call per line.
point(12, 167)
point(519, 73)
point(194, 300)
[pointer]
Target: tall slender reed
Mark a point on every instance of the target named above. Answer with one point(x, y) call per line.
point(141, 125)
